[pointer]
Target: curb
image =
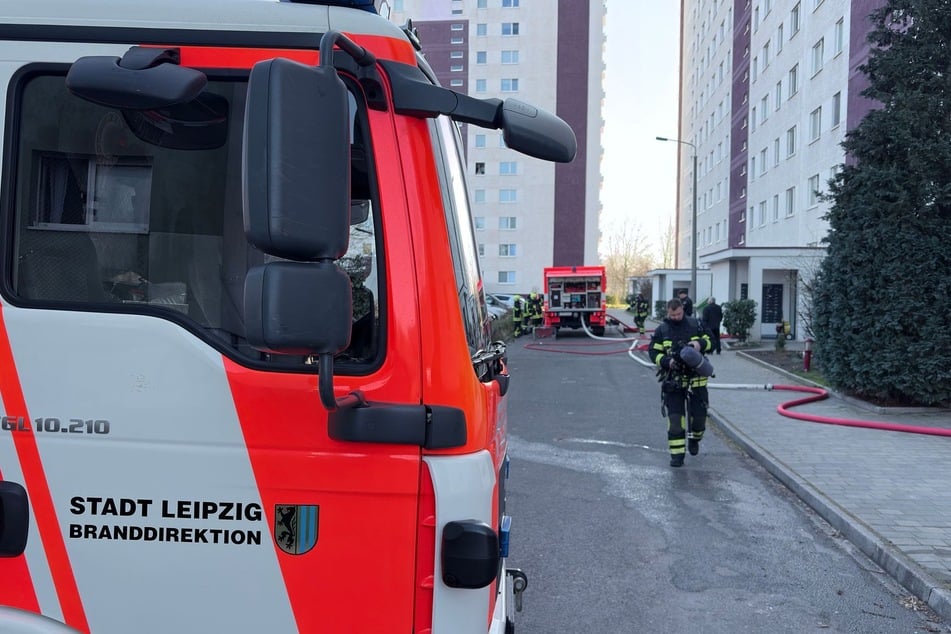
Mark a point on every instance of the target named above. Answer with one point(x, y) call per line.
point(909, 574)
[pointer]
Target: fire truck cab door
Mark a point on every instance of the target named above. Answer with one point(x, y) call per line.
point(173, 445)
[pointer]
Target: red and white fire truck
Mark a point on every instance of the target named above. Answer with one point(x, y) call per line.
point(575, 298)
point(230, 228)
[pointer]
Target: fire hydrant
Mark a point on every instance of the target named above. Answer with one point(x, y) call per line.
point(807, 355)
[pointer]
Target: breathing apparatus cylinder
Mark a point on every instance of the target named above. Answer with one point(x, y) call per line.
point(692, 358)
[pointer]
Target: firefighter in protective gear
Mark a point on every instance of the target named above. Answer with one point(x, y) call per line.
point(535, 309)
point(518, 314)
point(683, 390)
point(641, 311)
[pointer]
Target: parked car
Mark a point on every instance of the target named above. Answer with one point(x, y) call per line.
point(497, 308)
point(496, 312)
point(508, 301)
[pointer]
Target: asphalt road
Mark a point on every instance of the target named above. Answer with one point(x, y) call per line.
point(615, 540)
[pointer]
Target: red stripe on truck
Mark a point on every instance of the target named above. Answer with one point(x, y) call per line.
point(41, 502)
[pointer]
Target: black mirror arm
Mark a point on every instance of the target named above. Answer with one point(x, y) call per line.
point(325, 386)
point(360, 55)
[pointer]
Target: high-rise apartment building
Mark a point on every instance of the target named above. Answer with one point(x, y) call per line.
point(528, 214)
point(768, 90)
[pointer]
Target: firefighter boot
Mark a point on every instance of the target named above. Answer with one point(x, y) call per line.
point(675, 443)
point(693, 442)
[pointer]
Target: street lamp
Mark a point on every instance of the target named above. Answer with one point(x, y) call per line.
point(693, 226)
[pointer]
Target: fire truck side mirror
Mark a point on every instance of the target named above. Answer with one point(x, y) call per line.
point(537, 132)
point(296, 180)
point(296, 161)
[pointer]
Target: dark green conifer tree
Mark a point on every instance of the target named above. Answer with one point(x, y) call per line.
point(883, 293)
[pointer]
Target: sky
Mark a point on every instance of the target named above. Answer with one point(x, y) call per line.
point(640, 83)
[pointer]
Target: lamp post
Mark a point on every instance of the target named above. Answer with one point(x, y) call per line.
point(693, 225)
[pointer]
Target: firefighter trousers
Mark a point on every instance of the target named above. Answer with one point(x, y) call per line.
point(678, 403)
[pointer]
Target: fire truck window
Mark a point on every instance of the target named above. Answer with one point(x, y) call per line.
point(105, 220)
point(461, 240)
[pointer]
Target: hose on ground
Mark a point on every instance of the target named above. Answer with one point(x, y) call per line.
point(819, 394)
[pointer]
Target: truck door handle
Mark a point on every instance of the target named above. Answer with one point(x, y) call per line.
point(14, 519)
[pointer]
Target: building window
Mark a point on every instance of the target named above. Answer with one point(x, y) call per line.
point(507, 251)
point(779, 94)
point(510, 57)
point(480, 140)
point(775, 151)
point(510, 28)
point(766, 54)
point(762, 213)
point(790, 141)
point(456, 82)
point(457, 11)
point(481, 250)
point(507, 168)
point(509, 4)
point(794, 21)
point(775, 207)
point(456, 68)
point(813, 190)
point(793, 80)
point(779, 39)
point(836, 109)
point(506, 277)
point(457, 27)
point(763, 108)
point(839, 36)
point(815, 124)
point(480, 168)
point(818, 51)
point(398, 5)
point(480, 85)
point(482, 29)
point(790, 201)
point(478, 196)
point(508, 222)
point(509, 85)
point(456, 40)
point(508, 196)
point(456, 54)
point(478, 222)
point(482, 57)
point(762, 161)
point(482, 4)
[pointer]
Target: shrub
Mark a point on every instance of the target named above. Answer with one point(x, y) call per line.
point(739, 317)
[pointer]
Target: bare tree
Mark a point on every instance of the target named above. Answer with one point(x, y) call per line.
point(626, 254)
point(667, 250)
point(806, 270)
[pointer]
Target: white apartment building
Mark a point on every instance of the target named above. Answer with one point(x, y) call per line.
point(528, 213)
point(768, 90)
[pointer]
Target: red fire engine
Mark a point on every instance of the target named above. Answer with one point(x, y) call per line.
point(574, 295)
point(229, 230)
